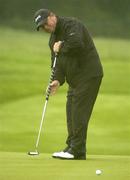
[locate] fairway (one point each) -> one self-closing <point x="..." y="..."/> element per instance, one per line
<point x="24" y="75"/>
<point x="20" y="166"/>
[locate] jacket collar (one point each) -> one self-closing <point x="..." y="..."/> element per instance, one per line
<point x="58" y="25"/>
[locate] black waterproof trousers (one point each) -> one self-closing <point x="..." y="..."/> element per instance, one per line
<point x="79" y="106"/>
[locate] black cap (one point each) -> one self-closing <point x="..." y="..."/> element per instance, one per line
<point x="40" y="17"/>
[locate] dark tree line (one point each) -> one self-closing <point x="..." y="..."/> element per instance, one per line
<point x="103" y="17"/>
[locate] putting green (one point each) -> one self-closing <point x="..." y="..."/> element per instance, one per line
<point x="20" y="166"/>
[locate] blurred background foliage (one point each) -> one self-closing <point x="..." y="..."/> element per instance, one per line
<point x="109" y="18"/>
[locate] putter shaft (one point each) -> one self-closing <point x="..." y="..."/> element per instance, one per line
<point x="47" y="98"/>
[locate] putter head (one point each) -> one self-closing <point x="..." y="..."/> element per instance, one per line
<point x="33" y="153"/>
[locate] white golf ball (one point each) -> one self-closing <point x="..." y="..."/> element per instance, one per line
<point x="98" y="171"/>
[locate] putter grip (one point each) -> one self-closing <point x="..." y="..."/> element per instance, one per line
<point x="49" y="87"/>
<point x="51" y="77"/>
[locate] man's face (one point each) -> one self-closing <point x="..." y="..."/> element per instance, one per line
<point x="50" y="24"/>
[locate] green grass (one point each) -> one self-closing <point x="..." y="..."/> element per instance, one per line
<point x="24" y="75"/>
<point x="108" y="133"/>
<point x="20" y="166"/>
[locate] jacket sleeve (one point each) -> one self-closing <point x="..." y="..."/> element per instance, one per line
<point x="73" y="40"/>
<point x="58" y="75"/>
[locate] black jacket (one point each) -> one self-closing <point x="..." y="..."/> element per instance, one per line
<point x="78" y="59"/>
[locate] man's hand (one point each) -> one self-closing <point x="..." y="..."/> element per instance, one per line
<point x="57" y="46"/>
<point x="54" y="86"/>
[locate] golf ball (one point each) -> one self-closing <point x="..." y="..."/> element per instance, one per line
<point x="98" y="171"/>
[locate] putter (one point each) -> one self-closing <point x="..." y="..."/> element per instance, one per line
<point x="33" y="153"/>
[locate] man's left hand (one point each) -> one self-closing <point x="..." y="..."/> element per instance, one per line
<point x="57" y="46"/>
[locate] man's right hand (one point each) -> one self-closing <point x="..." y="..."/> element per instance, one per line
<point x="54" y="86"/>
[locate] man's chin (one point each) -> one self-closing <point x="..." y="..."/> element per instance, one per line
<point x="48" y="30"/>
